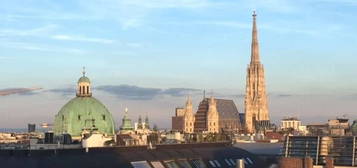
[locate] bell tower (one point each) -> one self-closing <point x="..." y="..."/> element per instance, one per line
<point x="256" y="101"/>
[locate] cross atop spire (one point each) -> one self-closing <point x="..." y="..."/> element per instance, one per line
<point x="84" y="71"/>
<point x="255" y="45"/>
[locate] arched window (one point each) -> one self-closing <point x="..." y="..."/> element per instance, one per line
<point x="79" y="117"/>
<point x="103" y="117"/>
<point x="80" y="90"/>
<point x="87" y="89"/>
<point x="83" y="91"/>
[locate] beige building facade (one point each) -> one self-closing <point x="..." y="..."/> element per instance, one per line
<point x="213" y="116"/>
<point x="184" y="119"/>
<point x="291" y="123"/>
<point x="256" y="103"/>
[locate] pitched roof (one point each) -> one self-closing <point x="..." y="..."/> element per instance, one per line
<point x="227" y="108"/>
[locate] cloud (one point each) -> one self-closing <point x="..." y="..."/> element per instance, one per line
<point x="130" y="92"/>
<point x="179" y="91"/>
<point x="63" y="91"/>
<point x="141" y="93"/>
<point x="167" y="3"/>
<point x="41" y="47"/>
<point x="345" y="2"/>
<point x="5" y="58"/>
<point x="39" y="31"/>
<point x="22" y="91"/>
<point x="135" y="13"/>
<point x="81" y="39"/>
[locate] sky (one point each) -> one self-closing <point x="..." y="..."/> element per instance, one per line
<point x="148" y="55"/>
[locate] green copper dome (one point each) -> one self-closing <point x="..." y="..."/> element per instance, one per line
<point x="83" y="113"/>
<point x="83" y="79"/>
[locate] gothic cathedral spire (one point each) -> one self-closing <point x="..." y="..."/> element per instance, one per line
<point x="255" y="44"/>
<point x="256" y="106"/>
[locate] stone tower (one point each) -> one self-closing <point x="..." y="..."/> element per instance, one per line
<point x="256" y="104"/>
<point x="189" y="118"/>
<point x="212" y="117"/>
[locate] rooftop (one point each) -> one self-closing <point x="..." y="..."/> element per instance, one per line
<point x="209" y="154"/>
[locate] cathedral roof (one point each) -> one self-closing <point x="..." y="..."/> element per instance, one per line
<point x="226" y="108"/>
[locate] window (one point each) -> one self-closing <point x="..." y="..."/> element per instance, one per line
<point x="217" y="163"/>
<point x="157" y="164"/>
<point x="103" y="117"/>
<point x="212" y="163"/>
<point x="87" y="89"/>
<point x="62" y="117"/>
<point x="232" y="161"/>
<point x="197" y="163"/>
<point x="228" y="163"/>
<point x="140" y="164"/>
<point x="79" y="117"/>
<point x="171" y="164"/>
<point x="249" y="160"/>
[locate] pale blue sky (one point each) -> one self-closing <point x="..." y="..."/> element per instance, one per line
<point x="308" y="47"/>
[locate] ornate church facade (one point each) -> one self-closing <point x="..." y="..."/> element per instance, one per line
<point x="212" y="116"/>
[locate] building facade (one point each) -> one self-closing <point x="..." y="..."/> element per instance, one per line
<point x="212" y="111"/>
<point x="184" y="118"/>
<point x="290" y="123"/>
<point x="256" y="103"/>
<point x="341" y="149"/>
<point x="338" y="126"/>
<point x="212" y="116"/>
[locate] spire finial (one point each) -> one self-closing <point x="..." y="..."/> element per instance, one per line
<point x="84" y="71"/>
<point x="255" y="45"/>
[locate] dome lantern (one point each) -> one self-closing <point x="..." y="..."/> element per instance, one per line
<point x="83" y="86"/>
